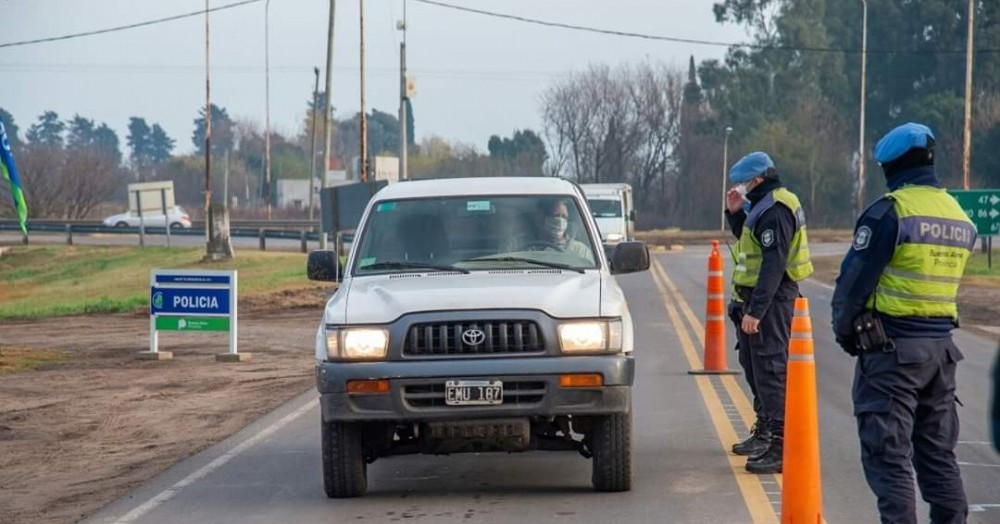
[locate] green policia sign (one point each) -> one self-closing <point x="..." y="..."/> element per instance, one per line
<point x="169" y="323"/>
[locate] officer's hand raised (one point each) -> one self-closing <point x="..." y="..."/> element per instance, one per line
<point x="734" y="200"/>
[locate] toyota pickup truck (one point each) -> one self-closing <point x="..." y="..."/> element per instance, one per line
<point x="476" y="315"/>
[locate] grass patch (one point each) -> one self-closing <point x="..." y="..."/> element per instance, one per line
<point x="14" y="360"/>
<point x="37" y="281"/>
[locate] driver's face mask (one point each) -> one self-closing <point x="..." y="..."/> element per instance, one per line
<point x="556" y="225"/>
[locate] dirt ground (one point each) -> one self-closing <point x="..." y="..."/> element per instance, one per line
<point x="82" y="432"/>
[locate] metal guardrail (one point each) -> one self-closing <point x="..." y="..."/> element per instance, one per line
<point x="242" y="230"/>
<point x="200" y="224"/>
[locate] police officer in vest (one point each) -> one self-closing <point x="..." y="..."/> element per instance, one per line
<point x="894" y="309"/>
<point x="771" y="257"/>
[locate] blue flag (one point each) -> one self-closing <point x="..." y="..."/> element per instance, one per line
<point x="9" y="171"/>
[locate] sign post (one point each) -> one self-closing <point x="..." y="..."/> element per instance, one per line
<point x="192" y="300"/>
<point x="983" y="208"/>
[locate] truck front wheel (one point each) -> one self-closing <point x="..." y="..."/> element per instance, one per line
<point x="611" y="440"/>
<point x="345" y="473"/>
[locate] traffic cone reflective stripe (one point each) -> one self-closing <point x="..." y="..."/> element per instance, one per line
<point x="801" y="491"/>
<point x="715" y="318"/>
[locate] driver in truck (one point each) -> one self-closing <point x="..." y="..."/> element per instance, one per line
<point x="553" y="228"/>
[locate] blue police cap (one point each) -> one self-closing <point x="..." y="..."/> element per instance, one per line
<point x="900" y="140"/>
<point x="750" y="167"/>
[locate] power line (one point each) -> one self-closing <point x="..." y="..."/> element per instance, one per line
<point x="695" y="41"/>
<point x="124" y="27"/>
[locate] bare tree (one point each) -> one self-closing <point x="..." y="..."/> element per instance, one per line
<point x="88" y="179"/>
<point x="620" y="125"/>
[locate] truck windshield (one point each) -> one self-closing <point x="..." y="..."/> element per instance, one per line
<point x="475" y="233"/>
<point x="605" y="207"/>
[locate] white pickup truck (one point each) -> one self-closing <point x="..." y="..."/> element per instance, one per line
<point x="476" y="315"/>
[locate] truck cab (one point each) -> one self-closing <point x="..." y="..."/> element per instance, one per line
<point x="476" y="315"/>
<point x="612" y="207"/>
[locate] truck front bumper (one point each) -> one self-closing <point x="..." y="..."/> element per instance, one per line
<point x="531" y="388"/>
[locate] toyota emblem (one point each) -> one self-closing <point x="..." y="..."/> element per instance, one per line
<point x="473" y="336"/>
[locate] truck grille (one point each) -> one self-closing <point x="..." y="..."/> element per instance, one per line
<point x="514" y="394"/>
<point x="500" y="337"/>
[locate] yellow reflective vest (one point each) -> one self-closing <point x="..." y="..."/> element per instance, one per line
<point x="934" y="243"/>
<point x="749" y="253"/>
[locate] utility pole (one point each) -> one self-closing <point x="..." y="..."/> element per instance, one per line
<point x="208" y="138"/>
<point x="403" y="117"/>
<point x="967" y="134"/>
<point x="267" y="109"/>
<point x="861" y="124"/>
<point x="312" y="151"/>
<point x="327" y="131"/>
<point x="364" y="117"/>
<point x="725" y="170"/>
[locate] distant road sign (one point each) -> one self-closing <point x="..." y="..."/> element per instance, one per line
<point x="983" y="208"/>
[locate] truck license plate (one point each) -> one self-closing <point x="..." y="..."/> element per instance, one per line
<point x="473" y="392"/>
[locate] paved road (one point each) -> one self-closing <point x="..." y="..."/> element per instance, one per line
<point x="270" y="472"/>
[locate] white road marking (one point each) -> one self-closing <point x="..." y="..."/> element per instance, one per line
<point x="820" y="284"/>
<point x="979" y="508"/>
<point x="203" y="471"/>
<point x="979" y="464"/>
<point x="977" y="442"/>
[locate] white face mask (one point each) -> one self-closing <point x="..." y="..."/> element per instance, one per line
<point x="742" y="189"/>
<point x="556" y="226"/>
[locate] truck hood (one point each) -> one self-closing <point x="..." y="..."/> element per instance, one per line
<point x="384" y="298"/>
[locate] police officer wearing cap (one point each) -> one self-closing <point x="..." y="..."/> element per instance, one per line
<point x="771" y="257"/>
<point x="894" y="308"/>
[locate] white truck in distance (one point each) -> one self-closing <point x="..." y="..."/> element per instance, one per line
<point x="476" y="315"/>
<point x="612" y="207"/>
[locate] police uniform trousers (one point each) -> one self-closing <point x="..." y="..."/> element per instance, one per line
<point x="904" y="401"/>
<point x="764" y="358"/>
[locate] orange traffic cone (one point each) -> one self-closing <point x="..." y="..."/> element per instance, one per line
<point x="801" y="492"/>
<point x="715" y="319"/>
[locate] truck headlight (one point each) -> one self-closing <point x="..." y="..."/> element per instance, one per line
<point x="356" y="343"/>
<point x="591" y="337"/>
<point x="614" y="237"/>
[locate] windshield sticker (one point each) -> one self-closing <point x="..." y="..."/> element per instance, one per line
<point x="477" y="205"/>
<point x="365" y="262"/>
<point x="386" y="206"/>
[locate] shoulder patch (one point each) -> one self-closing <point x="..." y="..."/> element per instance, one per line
<point x="800" y="216"/>
<point x="767" y="238"/>
<point x="862" y="238"/>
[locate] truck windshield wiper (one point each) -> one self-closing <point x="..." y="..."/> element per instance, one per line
<point x="554" y="265"/>
<point x="404" y="264"/>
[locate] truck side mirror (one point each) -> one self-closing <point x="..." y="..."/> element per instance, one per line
<point x="631" y="216"/>
<point x="629" y="257"/>
<point x="323" y="265"/>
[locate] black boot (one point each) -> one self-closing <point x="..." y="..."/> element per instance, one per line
<point x="754" y="444"/>
<point x="770" y="460"/>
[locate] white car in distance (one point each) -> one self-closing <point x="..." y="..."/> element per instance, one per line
<point x="177" y="218"/>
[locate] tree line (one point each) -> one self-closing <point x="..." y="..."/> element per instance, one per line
<point x="795" y="94"/>
<point x="71" y="167"/>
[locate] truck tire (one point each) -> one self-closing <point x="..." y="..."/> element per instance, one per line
<point x="611" y="438"/>
<point x="345" y="473"/>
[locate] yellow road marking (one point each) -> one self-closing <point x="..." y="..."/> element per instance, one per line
<point x="761" y="511"/>
<point x="736" y="393"/>
<point x="733" y="389"/>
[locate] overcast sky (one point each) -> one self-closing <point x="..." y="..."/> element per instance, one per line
<point x="475" y="75"/>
